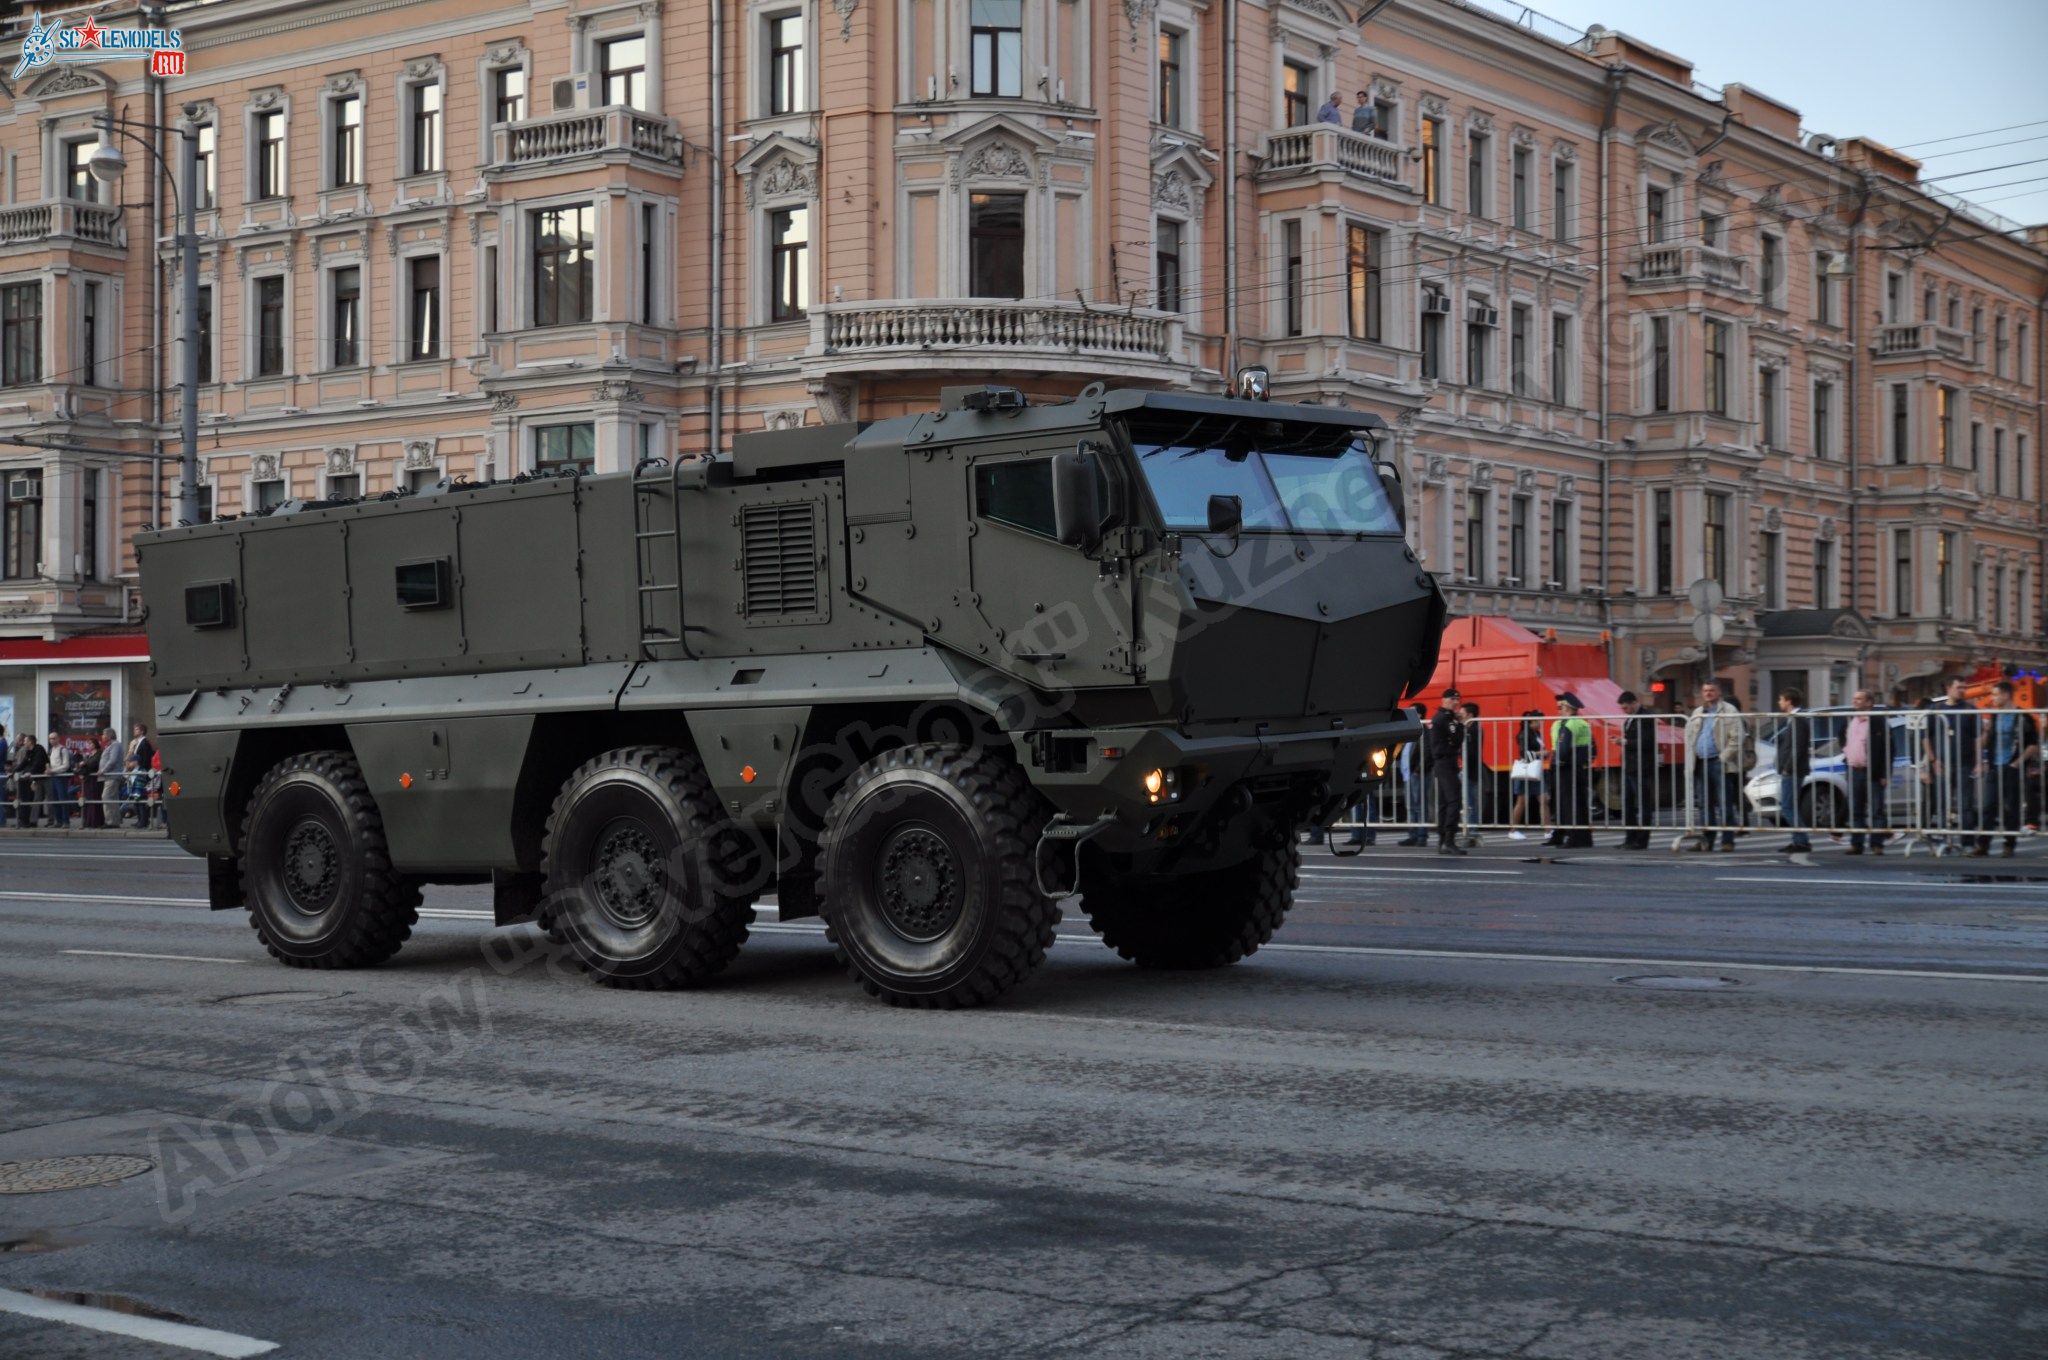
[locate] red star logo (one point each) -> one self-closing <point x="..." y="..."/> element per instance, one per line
<point x="89" y="33"/>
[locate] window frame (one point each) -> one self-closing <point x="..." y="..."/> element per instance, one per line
<point x="578" y="258"/>
<point x="21" y="526"/>
<point x="269" y="166"/>
<point x="346" y="144"/>
<point x="989" y="43"/>
<point x="1521" y="186"/>
<point x="206" y="154"/>
<point x="426" y="126"/>
<point x="1170" y="75"/>
<point x="22" y="332"/>
<point x="1719" y="355"/>
<point x="537" y="435"/>
<point x="415" y="324"/>
<point x="1364" y="287"/>
<point x="636" y="79"/>
<point x="499" y="97"/>
<point x="259" y="310"/>
<point x="1169" y="293"/>
<point x="344" y="314"/>
<point x="789" y="263"/>
<point x="1479" y="173"/>
<point x="785" y="67"/>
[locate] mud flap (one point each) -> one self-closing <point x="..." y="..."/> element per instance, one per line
<point x="224" y="883"/>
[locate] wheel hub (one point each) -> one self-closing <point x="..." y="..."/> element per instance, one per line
<point x="921" y="883"/>
<point x="312" y="866"/>
<point x="628" y="875"/>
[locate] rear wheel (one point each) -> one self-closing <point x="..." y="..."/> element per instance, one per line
<point x="1823" y="808"/>
<point x="1204" y="920"/>
<point x="316" y="872"/>
<point x="647" y="884"/>
<point x="925" y="880"/>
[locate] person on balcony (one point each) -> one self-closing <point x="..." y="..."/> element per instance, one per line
<point x="1332" y="110"/>
<point x="1366" y="117"/>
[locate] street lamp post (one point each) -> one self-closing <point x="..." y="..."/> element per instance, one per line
<point x="107" y="165"/>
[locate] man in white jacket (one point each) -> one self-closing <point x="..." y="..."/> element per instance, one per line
<point x="1715" y="742"/>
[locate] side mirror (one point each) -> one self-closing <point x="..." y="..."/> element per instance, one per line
<point x="1226" y="514"/>
<point x="1390" y="478"/>
<point x="1076" y="500"/>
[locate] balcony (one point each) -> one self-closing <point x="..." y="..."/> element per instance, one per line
<point x="1306" y="151"/>
<point x="974" y="333"/>
<point x="1686" y="264"/>
<point x="35" y="223"/>
<point x="1916" y="339"/>
<point x="615" y="133"/>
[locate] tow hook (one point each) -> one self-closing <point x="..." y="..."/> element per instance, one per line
<point x="1064" y="830"/>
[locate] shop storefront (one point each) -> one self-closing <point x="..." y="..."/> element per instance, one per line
<point x="75" y="687"/>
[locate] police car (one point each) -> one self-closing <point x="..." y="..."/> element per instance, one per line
<point x="1824" y="798"/>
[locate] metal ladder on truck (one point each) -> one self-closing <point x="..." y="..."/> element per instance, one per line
<point x="658" y="557"/>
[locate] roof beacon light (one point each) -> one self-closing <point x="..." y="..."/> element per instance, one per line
<point x="1254" y="383"/>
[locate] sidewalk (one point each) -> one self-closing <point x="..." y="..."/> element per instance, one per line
<point x="127" y="833"/>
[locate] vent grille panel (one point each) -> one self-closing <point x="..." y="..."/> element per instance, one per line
<point x="779" y="561"/>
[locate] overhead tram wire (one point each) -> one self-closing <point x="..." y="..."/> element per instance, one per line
<point x="1982" y="132"/>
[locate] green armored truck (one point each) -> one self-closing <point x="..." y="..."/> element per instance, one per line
<point x="922" y="678"/>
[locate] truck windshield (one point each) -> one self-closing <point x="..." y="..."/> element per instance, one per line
<point x="1288" y="477"/>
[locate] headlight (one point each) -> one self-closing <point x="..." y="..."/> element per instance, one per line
<point x="1162" y="786"/>
<point x="1379" y="760"/>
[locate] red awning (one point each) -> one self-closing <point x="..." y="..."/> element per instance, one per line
<point x="74" y="651"/>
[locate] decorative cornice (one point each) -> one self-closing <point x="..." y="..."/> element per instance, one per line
<point x="846" y="10"/>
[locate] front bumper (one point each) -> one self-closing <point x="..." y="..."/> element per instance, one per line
<point x="1306" y="770"/>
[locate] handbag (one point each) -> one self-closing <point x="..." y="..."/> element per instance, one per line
<point x="1528" y="768"/>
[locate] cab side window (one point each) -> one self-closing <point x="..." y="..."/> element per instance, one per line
<point x="1017" y="493"/>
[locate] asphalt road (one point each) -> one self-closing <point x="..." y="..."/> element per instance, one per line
<point x="1432" y="1121"/>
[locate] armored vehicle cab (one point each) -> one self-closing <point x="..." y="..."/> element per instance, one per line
<point x="922" y="678"/>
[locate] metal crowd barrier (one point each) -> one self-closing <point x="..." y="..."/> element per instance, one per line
<point x="1960" y="780"/>
<point x="58" y="800"/>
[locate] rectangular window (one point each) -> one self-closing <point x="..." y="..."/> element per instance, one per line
<point x="1955" y="312"/>
<point x="789" y="263"/>
<point x="347" y="317"/>
<point x="23" y="523"/>
<point x="269" y="327"/>
<point x="995" y="38"/>
<point x="1894" y="298"/>
<point x="206" y="148"/>
<point x="1434" y="304"/>
<point x="205" y="332"/>
<point x="1562" y="558"/>
<point x="1523" y="189"/>
<point x="90" y="316"/>
<point x="268" y="153"/>
<point x="1653" y="214"/>
<point x="1479" y="147"/>
<point x="1660" y="363"/>
<point x="1999" y="351"/>
<point x="204" y="510"/>
<point x="1998" y="462"/>
<point x="995" y="245"/>
<point x="1563" y="182"/>
<point x="424" y="338"/>
<point x="786" y="79"/>
<point x="345" y="151"/>
<point x="345" y="486"/>
<point x="1772" y="269"/>
<point x="1769" y="434"/>
<point x="1518" y="541"/>
<point x="419" y="479"/>
<point x="1710" y="230"/>
<point x="650" y="260"/>
<point x="1824" y="420"/>
<point x="2026" y="367"/>
<point x="1384" y="113"/>
<point x="1518" y="350"/>
<point x="490" y="290"/>
<point x="560" y="446"/>
<point x="1902" y="573"/>
<point x="270" y="494"/>
<point x="89" y="524"/>
<point x="1475" y="535"/>
<point x="1171" y="45"/>
<point x="1944" y="425"/>
<point x="1561" y="359"/>
<point x="1292" y="302"/>
<point x="21" y="334"/>
<point x="1166" y="289"/>
<point x="1823" y="573"/>
<point x="1998" y="599"/>
<point x="622" y="70"/>
<point x="79" y="184"/>
<point x="1823" y="287"/>
<point x="424" y="148"/>
<point x="1902" y="430"/>
<point x="508" y="94"/>
<point x="1717" y="367"/>
<point x="1771" y="555"/>
<point x="1432" y="159"/>
<point x="1714" y="540"/>
<point x="1478" y="344"/>
<point x="1944" y="573"/>
<point x="1977" y="446"/>
<point x="1362" y="281"/>
<point x="1664" y="549"/>
<point x="564" y="253"/>
<point x="1928" y="299"/>
<point x="1294" y="91"/>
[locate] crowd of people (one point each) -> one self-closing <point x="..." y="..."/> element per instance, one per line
<point x="102" y="781"/>
<point x="1978" y="769"/>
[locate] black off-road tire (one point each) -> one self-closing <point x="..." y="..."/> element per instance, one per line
<point x="316" y="873"/>
<point x="1205" y="920"/>
<point x="925" y="882"/>
<point x="647" y="883"/>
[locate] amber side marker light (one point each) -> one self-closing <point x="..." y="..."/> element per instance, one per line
<point x="405" y="781"/>
<point x="747" y="775"/>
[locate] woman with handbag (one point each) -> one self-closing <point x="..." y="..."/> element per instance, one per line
<point x="1525" y="777"/>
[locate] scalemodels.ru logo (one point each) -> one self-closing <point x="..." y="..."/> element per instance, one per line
<point x="164" y="48"/>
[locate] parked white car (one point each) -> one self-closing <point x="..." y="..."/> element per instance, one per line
<point x="1824" y="798"/>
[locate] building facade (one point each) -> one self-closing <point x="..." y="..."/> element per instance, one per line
<point x="1630" y="331"/>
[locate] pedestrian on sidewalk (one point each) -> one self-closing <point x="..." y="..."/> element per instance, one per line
<point x="1525" y="778"/>
<point x="1446" y="749"/>
<point x="1714" y="742"/>
<point x="1794" y="758"/>
<point x="1867" y="758"/>
<point x="1474" y="779"/>
<point x="2010" y="739"/>
<point x="1571" y="754"/>
<point x="1956" y="733"/>
<point x="1638" y="773"/>
<point x="109" y="776"/>
<point x="31" y="763"/>
<point x="62" y="786"/>
<point x="1414" y="773"/>
<point x="6" y="777"/>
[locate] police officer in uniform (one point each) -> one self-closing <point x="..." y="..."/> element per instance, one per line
<point x="1446" y="751"/>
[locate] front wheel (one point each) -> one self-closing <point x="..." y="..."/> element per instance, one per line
<point x="925" y="881"/>
<point x="1202" y="920"/>
<point x="316" y="872"/>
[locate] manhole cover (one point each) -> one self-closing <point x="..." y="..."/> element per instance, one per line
<point x="274" y="998"/>
<point x="46" y="1174"/>
<point x="1678" y="982"/>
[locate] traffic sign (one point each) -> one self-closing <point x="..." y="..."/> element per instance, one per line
<point x="1708" y="629"/>
<point x="1706" y="594"/>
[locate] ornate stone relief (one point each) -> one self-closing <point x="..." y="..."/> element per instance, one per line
<point x="1174" y="190"/>
<point x="264" y="467"/>
<point x="419" y="455"/>
<point x="615" y="390"/>
<point x="1139" y="15"/>
<point x="341" y="460"/>
<point x="996" y="160"/>
<point x="505" y="401"/>
<point x="784" y="177"/>
<point x="846" y="9"/>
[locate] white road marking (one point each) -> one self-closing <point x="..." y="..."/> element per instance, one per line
<point x="89" y="897"/>
<point x="1805" y="880"/>
<point x="1375" y="871"/>
<point x="182" y="1335"/>
<point x="124" y="954"/>
<point x="151" y="855"/>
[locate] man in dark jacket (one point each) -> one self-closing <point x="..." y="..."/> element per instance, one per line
<point x="1638" y="772"/>
<point x="1953" y="735"/>
<point x="31" y="762"/>
<point x="1794" y="757"/>
<point x="1867" y="760"/>
<point x="1446" y="746"/>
